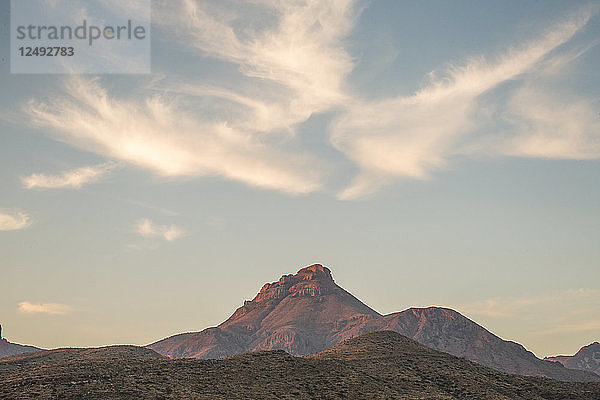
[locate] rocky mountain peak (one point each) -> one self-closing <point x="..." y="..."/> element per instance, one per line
<point x="313" y="284"/>
<point x="314" y="280"/>
<point x="315" y="271"/>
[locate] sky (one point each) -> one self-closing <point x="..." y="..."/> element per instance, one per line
<point x="429" y="153"/>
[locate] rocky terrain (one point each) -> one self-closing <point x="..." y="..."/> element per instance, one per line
<point x="379" y="365"/>
<point x="307" y="312"/>
<point x="10" y="349"/>
<point x="586" y="359"/>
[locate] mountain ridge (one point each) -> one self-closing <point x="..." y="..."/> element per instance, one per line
<point x="587" y="358"/>
<point x="307" y="312"/>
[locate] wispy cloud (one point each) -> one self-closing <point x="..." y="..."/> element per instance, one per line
<point x="578" y="327"/>
<point x="151" y="207"/>
<point x="287" y="61"/>
<point x="290" y="67"/>
<point x="155" y="134"/>
<point x="14" y="221"/>
<point x="410" y="136"/>
<point x="291" y="55"/>
<point x="147" y="228"/>
<point x="26" y="307"/>
<point x="551" y="128"/>
<point x="547" y="322"/>
<point x="580" y="302"/>
<point x="74" y="178"/>
<point x="502" y="308"/>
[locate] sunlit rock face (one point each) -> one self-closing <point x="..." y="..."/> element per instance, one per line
<point x="314" y="280"/>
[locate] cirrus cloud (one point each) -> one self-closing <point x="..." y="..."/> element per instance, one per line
<point x="286" y="61"/>
<point x="290" y="66"/>
<point x="27" y="307"/>
<point x="147" y="228"/>
<point x="74" y="178"/>
<point x="411" y="136"/>
<point x="157" y="135"/>
<point x="15" y="221"/>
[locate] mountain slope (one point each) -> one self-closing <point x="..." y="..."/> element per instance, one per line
<point x="8" y="349"/>
<point x="307" y="312"/>
<point x="377" y="365"/>
<point x="586" y="359"/>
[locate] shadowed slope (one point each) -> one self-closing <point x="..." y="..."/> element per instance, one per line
<point x="8" y="349"/>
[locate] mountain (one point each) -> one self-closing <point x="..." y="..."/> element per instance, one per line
<point x="307" y="312"/>
<point x="300" y="314"/>
<point x="449" y="331"/>
<point x="381" y="365"/>
<point x="10" y="349"/>
<point x="586" y="359"/>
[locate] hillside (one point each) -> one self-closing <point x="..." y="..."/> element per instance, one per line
<point x="377" y="365"/>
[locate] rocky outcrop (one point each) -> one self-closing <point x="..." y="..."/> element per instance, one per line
<point x="312" y="281"/>
<point x="586" y="359"/>
<point x="308" y="312"/>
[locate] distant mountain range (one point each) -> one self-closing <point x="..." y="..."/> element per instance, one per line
<point x="10" y="349"/>
<point x="586" y="359"/>
<point x="308" y="312"/>
<point x="380" y="365"/>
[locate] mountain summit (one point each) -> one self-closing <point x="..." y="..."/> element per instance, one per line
<point x="312" y="281"/>
<point x="308" y="312"/>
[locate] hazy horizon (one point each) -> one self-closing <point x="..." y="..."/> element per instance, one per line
<point x="428" y="153"/>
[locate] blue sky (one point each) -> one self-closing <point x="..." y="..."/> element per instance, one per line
<point x="429" y="153"/>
